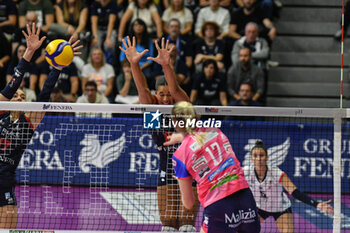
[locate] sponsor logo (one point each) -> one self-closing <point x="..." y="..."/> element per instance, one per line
<point x="138" y="109"/>
<point x="93" y="153"/>
<point x="151" y="120"/>
<point x="211" y="110"/>
<point x="56" y="107"/>
<point x="199" y="163"/>
<point x="241" y="217"/>
<point x="229" y="162"/>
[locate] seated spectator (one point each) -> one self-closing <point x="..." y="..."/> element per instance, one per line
<point x="71" y="16"/>
<point x="181" y="71"/>
<point x="245" y="94"/>
<point x="251" y="13"/>
<point x="184" y="48"/>
<point x="245" y="71"/>
<point x="92" y="96"/>
<point x="18" y="38"/>
<point x="30" y="78"/>
<point x="147" y="12"/>
<point x="209" y="86"/>
<point x="209" y="47"/>
<point x="57" y="96"/>
<point x="68" y="81"/>
<point x="258" y="47"/>
<point x="5" y="56"/>
<point x="100" y="72"/>
<point x="223" y="3"/>
<point x="143" y="41"/>
<point x="8" y="16"/>
<point x="213" y="13"/>
<point x="103" y="20"/>
<point x="178" y="11"/>
<point x="42" y="8"/>
<point x="126" y="85"/>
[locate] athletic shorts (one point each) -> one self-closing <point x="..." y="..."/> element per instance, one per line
<point x="235" y="213"/>
<point x="7" y="196"/>
<point x="275" y="215"/>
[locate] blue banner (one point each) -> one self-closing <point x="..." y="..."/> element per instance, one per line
<point x="102" y="152"/>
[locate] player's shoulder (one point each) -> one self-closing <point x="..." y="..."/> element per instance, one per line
<point x="274" y="170"/>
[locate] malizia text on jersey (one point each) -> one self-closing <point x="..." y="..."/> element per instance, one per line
<point x="193" y="123"/>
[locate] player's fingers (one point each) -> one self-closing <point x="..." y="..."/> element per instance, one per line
<point x="133" y="41"/>
<point x="151" y="58"/>
<point x="163" y="43"/>
<point x="144" y="51"/>
<point x="156" y="44"/>
<point x="78" y="48"/>
<point x="124" y="43"/>
<point x="172" y="47"/>
<point x="167" y="44"/>
<point x="129" y="42"/>
<point x="38" y="31"/>
<point x="42" y="39"/>
<point x="28" y="30"/>
<point x="75" y="43"/>
<point x="77" y="53"/>
<point x="24" y="34"/>
<point x="33" y="28"/>
<point x="120" y="47"/>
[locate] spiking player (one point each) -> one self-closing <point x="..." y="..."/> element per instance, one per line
<point x="17" y="128"/>
<point x="268" y="183"/>
<point x="206" y="155"/>
<point x="172" y="214"/>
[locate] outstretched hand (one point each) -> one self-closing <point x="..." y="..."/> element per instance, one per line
<point x="75" y="46"/>
<point x="173" y="139"/>
<point x="164" y="52"/>
<point x="130" y="50"/>
<point x="33" y="41"/>
<point x="325" y="207"/>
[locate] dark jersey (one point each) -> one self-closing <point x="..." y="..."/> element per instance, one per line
<point x="14" y="138"/>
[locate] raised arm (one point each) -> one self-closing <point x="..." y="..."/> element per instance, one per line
<point x="163" y="59"/>
<point x="44" y="96"/>
<point x="134" y="57"/>
<point x="33" y="43"/>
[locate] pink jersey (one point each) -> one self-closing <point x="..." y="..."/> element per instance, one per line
<point x="213" y="165"/>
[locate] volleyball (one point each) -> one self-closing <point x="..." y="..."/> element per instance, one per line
<point x="59" y="53"/>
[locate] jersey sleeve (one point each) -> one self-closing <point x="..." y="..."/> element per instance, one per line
<point x="180" y="169"/>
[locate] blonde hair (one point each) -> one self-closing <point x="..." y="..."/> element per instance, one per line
<point x="184" y="111"/>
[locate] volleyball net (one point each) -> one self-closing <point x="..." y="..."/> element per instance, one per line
<point x="96" y="167"/>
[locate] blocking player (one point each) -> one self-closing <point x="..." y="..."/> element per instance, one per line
<point x="172" y="213"/>
<point x="17" y="127"/>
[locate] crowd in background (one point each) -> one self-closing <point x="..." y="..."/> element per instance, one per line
<point x="221" y="54"/>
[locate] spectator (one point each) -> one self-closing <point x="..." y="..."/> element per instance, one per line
<point x="145" y="10"/>
<point x="18" y="38"/>
<point x="92" y="96"/>
<point x="57" y="96"/>
<point x="245" y="71"/>
<point x="103" y="20"/>
<point x="181" y="71"/>
<point x="30" y="94"/>
<point x="245" y="94"/>
<point x="213" y="13"/>
<point x="223" y="3"/>
<point x="71" y="16"/>
<point x="68" y="81"/>
<point x="258" y="47"/>
<point x="139" y="30"/>
<point x="30" y="78"/>
<point x="100" y="72"/>
<point x="126" y="85"/>
<point x="178" y="11"/>
<point x="42" y="8"/>
<point x="251" y="13"/>
<point x="338" y="34"/>
<point x="209" y="86"/>
<point x="8" y="16"/>
<point x="209" y="47"/>
<point x="5" y="56"/>
<point x="183" y="47"/>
